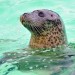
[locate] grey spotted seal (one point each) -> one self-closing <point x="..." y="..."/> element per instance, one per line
<point x="46" y="27"/>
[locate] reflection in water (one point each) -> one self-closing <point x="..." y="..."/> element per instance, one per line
<point x="39" y="62"/>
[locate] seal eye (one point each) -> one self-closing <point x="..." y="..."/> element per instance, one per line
<point x="41" y="14"/>
<point x="51" y="15"/>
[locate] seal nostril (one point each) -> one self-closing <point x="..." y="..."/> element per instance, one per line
<point x="25" y="14"/>
<point x="41" y="14"/>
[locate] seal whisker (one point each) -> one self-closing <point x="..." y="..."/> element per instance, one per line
<point x="32" y="28"/>
<point x="37" y="30"/>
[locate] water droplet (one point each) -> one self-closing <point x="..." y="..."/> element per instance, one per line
<point x="26" y="61"/>
<point x="51" y="60"/>
<point x="45" y="66"/>
<point x="33" y="52"/>
<point x="37" y="65"/>
<point x="44" y="60"/>
<point x="30" y="67"/>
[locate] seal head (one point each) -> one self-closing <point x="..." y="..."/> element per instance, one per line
<point x="46" y="27"/>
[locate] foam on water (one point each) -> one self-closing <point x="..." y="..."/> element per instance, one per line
<point x="30" y="63"/>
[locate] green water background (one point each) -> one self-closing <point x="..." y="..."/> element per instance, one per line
<point x="14" y="36"/>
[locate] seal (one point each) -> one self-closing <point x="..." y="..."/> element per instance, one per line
<point x="46" y="27"/>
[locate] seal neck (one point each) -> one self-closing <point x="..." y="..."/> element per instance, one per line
<point x="38" y="42"/>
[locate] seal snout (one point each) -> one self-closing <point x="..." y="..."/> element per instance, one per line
<point x="22" y="17"/>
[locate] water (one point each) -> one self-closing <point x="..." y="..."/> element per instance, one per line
<point x="14" y="38"/>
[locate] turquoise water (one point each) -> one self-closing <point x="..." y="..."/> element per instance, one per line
<point x="14" y="37"/>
